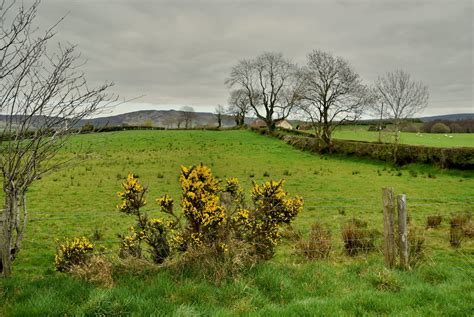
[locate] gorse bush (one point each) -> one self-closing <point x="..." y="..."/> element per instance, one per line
<point x="132" y="197"/>
<point x="272" y="209"/>
<point x="70" y="252"/>
<point x="201" y="205"/>
<point x="215" y="219"/>
<point x="153" y="232"/>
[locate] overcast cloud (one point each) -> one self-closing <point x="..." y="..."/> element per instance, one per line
<point x="180" y="52"/>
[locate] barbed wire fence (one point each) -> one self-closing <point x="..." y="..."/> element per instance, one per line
<point x="346" y="209"/>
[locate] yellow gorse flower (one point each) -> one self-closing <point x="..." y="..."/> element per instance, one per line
<point x="200" y="203"/>
<point x="71" y="252"/>
<point x="132" y="196"/>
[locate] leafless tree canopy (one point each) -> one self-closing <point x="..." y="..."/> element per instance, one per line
<point x="43" y="95"/>
<point x="272" y="84"/>
<point x="187" y="116"/>
<point x="402" y="96"/>
<point x="399" y="98"/>
<point x="239" y="106"/>
<point x="333" y="93"/>
<point x="219" y="112"/>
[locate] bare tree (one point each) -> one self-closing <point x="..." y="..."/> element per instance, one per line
<point x="271" y="83"/>
<point x="169" y="121"/>
<point x="333" y="94"/>
<point x="377" y="109"/>
<point x="187" y="116"/>
<point x="239" y="106"/>
<point x="219" y="112"/>
<point x="402" y="98"/>
<point x="43" y="97"/>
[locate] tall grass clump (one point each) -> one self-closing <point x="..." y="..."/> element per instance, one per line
<point x="433" y="221"/>
<point x="458" y="223"/>
<point x="357" y="237"/>
<point x="318" y="245"/>
<point x="416" y="246"/>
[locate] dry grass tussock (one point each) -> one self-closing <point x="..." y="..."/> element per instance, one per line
<point x="212" y="263"/>
<point x="318" y="245"/>
<point x="97" y="270"/>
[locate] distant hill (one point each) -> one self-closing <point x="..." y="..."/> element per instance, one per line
<point x="450" y="117"/>
<point x="155" y="118"/>
<point x="161" y="118"/>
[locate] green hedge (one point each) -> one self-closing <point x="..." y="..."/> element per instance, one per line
<point x="462" y="157"/>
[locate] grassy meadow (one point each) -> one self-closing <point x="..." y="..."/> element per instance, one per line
<point x="361" y="133"/>
<point x="81" y="198"/>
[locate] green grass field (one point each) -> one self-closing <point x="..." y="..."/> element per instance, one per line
<point x="81" y="198"/>
<point x="361" y="133"/>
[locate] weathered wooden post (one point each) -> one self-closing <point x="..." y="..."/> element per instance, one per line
<point x="388" y="226"/>
<point x="403" y="231"/>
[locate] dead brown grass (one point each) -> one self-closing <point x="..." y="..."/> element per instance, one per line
<point x="97" y="270"/>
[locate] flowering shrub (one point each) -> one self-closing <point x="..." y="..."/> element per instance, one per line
<point x="132" y="197"/>
<point x="130" y="245"/>
<point x="232" y="187"/>
<point x="208" y="221"/>
<point x="272" y="210"/>
<point x="154" y="232"/>
<point x="72" y="252"/>
<point x="201" y="204"/>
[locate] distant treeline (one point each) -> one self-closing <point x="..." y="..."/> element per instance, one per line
<point x="436" y="126"/>
<point x="88" y="128"/>
<point x="447" y="126"/>
<point x="413" y="125"/>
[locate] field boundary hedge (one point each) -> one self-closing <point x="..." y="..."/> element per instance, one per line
<point x="461" y="157"/>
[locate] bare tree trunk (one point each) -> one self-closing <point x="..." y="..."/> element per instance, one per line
<point x="7" y="223"/>
<point x="380" y="124"/>
<point x="5" y="260"/>
<point x="396" y="141"/>
<point x="326" y="137"/>
<point x="270" y="125"/>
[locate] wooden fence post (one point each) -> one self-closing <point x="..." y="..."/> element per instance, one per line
<point x="403" y="230"/>
<point x="388" y="226"/>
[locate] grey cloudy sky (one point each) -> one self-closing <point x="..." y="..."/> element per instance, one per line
<point x="180" y="52"/>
